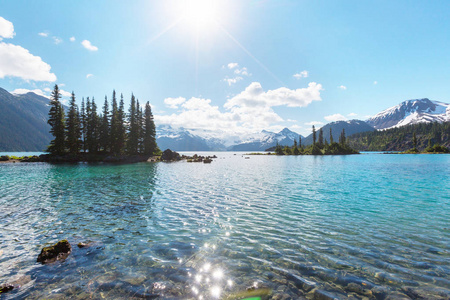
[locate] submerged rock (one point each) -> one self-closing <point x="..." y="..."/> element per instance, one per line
<point x="85" y="244"/>
<point x="6" y="287"/>
<point x="58" y="251"/>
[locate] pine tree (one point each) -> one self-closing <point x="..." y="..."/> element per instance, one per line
<point x="133" y="132"/>
<point x="83" y="124"/>
<point x="331" y="137"/>
<point x="314" y="134"/>
<point x="320" y="137"/>
<point x="295" y="150"/>
<point x="115" y="126"/>
<point x="73" y="128"/>
<point x="94" y="126"/>
<point x="56" y="122"/>
<point x="299" y="141"/>
<point x="105" y="138"/>
<point x="342" y="138"/>
<point x="140" y="127"/>
<point x="149" y="131"/>
<point x="122" y="132"/>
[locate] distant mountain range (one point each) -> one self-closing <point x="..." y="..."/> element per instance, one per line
<point x="182" y="139"/>
<point x="23" y="127"/>
<point x="411" y="112"/>
<point x="23" y="122"/>
<point x="350" y="127"/>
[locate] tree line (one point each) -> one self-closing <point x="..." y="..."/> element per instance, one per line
<point x="320" y="146"/>
<point x="416" y="136"/>
<point x="112" y="132"/>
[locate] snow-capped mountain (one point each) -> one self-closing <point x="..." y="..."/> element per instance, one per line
<point x="181" y="139"/>
<point x="411" y="112"/>
<point x="264" y="140"/>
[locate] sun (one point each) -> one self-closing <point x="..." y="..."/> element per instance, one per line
<point x="200" y="14"/>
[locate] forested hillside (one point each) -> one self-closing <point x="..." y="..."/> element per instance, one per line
<point x="401" y="138"/>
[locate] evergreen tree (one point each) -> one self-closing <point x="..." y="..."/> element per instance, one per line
<point x="73" y="127"/>
<point x="321" y="138"/>
<point x="314" y="134"/>
<point x="115" y="126"/>
<point x="331" y="137"/>
<point x="140" y="129"/>
<point x="133" y="132"/>
<point x="105" y="138"/>
<point x="56" y="122"/>
<point x="278" y="149"/>
<point x="295" y="150"/>
<point x="299" y="141"/>
<point x="342" y="138"/>
<point x="92" y="121"/>
<point x="83" y="124"/>
<point x="149" y="131"/>
<point x="122" y="132"/>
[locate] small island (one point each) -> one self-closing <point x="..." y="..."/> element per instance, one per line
<point x="110" y="136"/>
<point x="320" y="146"/>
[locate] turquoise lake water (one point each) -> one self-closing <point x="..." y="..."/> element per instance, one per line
<point x="370" y="226"/>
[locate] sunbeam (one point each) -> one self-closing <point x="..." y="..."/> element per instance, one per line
<point x="248" y="53"/>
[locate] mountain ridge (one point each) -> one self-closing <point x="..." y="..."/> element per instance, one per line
<point x="411" y="112"/>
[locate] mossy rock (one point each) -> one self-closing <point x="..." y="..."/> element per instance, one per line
<point x="58" y="251"/>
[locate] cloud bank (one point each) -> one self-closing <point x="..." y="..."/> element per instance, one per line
<point x="249" y="111"/>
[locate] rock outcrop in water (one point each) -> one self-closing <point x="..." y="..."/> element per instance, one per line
<point x="58" y="251"/>
<point x="169" y="155"/>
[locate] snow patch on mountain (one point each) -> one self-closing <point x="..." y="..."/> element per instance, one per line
<point x="411" y="112"/>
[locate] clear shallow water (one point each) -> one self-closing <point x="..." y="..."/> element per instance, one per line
<point x="369" y="226"/>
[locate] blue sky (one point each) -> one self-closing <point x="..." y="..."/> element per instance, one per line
<point x="229" y="66"/>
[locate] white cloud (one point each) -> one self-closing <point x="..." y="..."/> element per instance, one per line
<point x="232" y="65"/>
<point x="44" y="34"/>
<point x="72" y="39"/>
<point x="255" y="96"/>
<point x="89" y="75"/>
<point x="352" y="115"/>
<point x="335" y="117"/>
<point x="342" y="87"/>
<point x="25" y="91"/>
<point x="242" y="71"/>
<point x="375" y="82"/>
<point x="16" y="61"/>
<point x="238" y="73"/>
<point x="315" y="123"/>
<point x="302" y="74"/>
<point x="86" y="44"/>
<point x="174" y="102"/>
<point x="65" y="93"/>
<point x="231" y="81"/>
<point x="6" y="29"/>
<point x="250" y="111"/>
<point x="57" y="40"/>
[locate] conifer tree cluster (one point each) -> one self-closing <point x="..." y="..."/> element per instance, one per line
<point x="319" y="146"/>
<point x="113" y="131"/>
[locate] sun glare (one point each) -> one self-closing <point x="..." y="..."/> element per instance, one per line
<point x="200" y="14"/>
